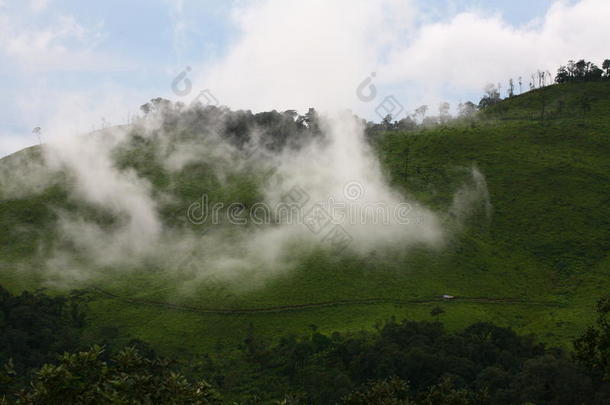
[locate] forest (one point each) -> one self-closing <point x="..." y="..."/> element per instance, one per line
<point x="46" y="360"/>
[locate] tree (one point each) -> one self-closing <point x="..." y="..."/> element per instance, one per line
<point x="406" y="124"/>
<point x="386" y="122"/>
<point x="291" y="113"/>
<point x="541" y="79"/>
<point x="546" y="377"/>
<point x="34" y="326"/>
<point x="421" y="111"/>
<point x="582" y="71"/>
<point x="606" y="68"/>
<point x="145" y="108"/>
<point x="128" y="378"/>
<point x="592" y="349"/>
<point x="593" y="73"/>
<point x="511" y="88"/>
<point x="311" y="120"/>
<point x="467" y="109"/>
<point x="520" y="85"/>
<point x="571" y="68"/>
<point x="563" y="76"/>
<point x="444" y="393"/>
<point x="491" y="97"/>
<point x="395" y="391"/>
<point x="156" y="105"/>
<point x="392" y="391"/>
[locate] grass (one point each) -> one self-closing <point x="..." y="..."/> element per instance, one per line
<point x="547" y="240"/>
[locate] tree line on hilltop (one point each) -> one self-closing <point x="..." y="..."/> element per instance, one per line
<point x="580" y="71"/>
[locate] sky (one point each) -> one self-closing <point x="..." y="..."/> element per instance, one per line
<point x="69" y="66"/>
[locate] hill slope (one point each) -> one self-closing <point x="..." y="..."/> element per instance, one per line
<point x="537" y="263"/>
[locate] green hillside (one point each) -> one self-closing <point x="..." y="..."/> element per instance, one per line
<point x="538" y="263"/>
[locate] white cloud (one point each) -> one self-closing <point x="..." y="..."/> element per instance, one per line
<point x="295" y="54"/>
<point x="472" y="49"/>
<point x="31" y="50"/>
<point x="63" y="45"/>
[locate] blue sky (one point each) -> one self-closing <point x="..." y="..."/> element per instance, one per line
<point x="65" y="64"/>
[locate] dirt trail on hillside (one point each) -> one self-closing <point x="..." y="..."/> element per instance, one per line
<point x="296" y="307"/>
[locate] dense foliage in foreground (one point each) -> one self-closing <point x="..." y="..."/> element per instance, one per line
<point x="483" y="364"/>
<point x="403" y="362"/>
<point x="35" y="326"/>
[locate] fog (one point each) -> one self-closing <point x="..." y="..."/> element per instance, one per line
<point x="336" y="178"/>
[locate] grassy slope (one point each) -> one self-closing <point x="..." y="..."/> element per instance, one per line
<point x="548" y="239"/>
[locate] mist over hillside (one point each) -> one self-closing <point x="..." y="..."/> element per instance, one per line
<point x="234" y="195"/>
